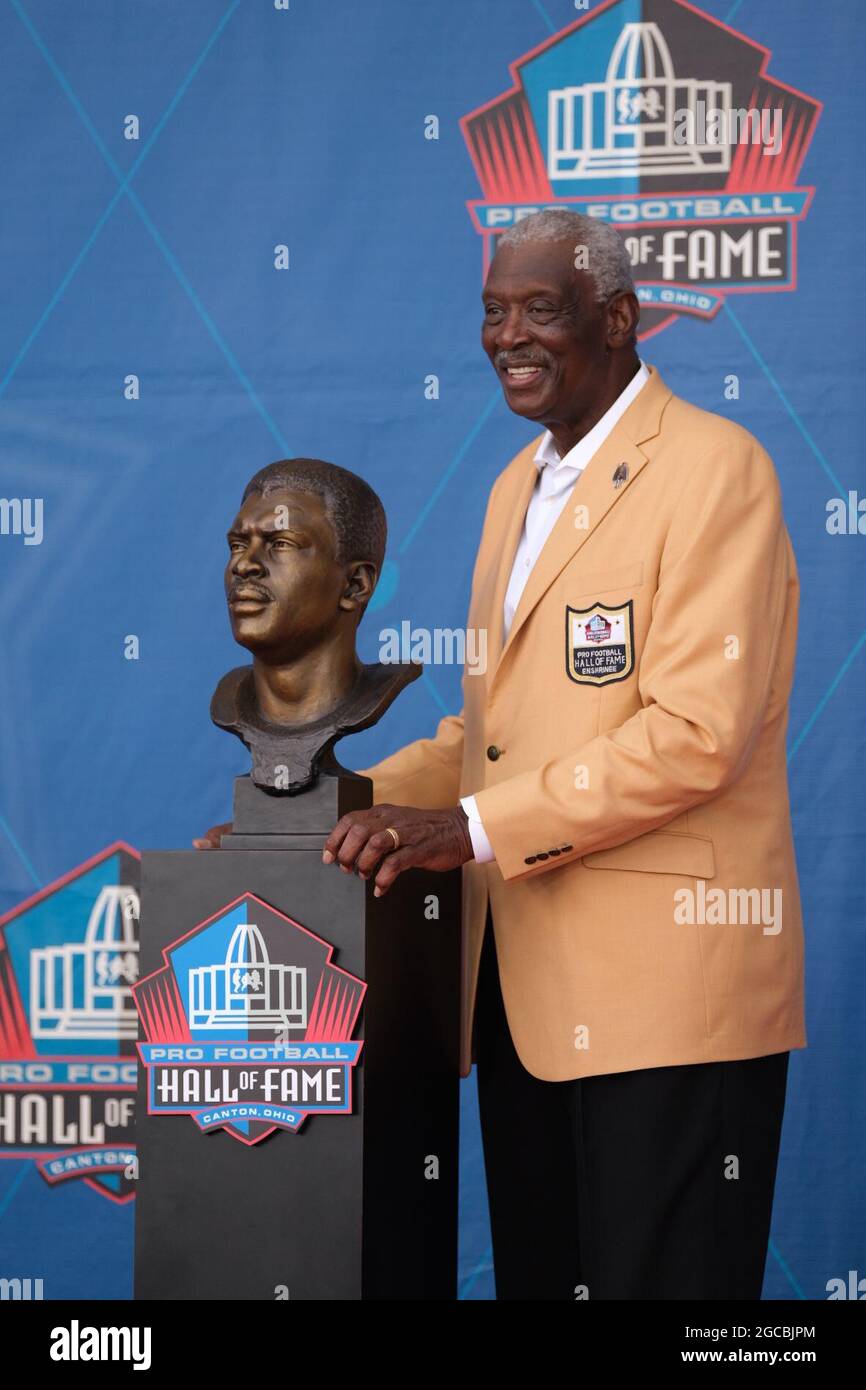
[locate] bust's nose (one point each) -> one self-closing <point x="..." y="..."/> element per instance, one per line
<point x="249" y="561"/>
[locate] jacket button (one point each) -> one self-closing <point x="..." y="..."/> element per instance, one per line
<point x="530" y="860"/>
<point x="493" y="752"/>
<point x="542" y="856"/>
<point x="555" y="852"/>
<point x="566" y="848"/>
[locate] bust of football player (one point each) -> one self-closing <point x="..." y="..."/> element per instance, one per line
<point x="305" y="553"/>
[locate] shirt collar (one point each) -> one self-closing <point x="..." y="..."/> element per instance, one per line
<point x="547" y="455"/>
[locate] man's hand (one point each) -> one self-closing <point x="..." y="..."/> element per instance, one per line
<point x="436" y="840"/>
<point x="211" y="838"/>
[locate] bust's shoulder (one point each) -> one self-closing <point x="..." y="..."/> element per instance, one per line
<point x="227" y="700"/>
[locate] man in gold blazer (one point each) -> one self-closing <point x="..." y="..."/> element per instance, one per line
<point x="616" y="789"/>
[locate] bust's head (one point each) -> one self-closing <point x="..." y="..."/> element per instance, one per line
<point x="305" y="552"/>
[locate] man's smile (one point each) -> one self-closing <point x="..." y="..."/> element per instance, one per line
<point x="519" y="373"/>
<point x="518" y="377"/>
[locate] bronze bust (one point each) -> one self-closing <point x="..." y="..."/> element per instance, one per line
<point x="305" y="553"/>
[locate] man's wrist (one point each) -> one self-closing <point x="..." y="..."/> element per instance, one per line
<point x="482" y="849"/>
<point x="463" y="834"/>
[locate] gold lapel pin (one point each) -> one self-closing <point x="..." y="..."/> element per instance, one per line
<point x="620" y="474"/>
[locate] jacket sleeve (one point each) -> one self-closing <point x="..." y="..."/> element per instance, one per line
<point x="425" y="773"/>
<point x="704" y="677"/>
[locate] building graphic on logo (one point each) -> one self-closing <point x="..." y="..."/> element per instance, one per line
<point x="245" y="990"/>
<point x="68" y="960"/>
<point x="83" y="990"/>
<point x="626" y="124"/>
<point x="249" y="1024"/>
<point x="657" y="118"/>
<point x="598" y="629"/>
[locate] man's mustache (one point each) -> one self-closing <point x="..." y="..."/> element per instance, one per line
<point x="245" y="587"/>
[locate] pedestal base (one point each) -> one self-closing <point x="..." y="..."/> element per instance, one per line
<point x="362" y="1205"/>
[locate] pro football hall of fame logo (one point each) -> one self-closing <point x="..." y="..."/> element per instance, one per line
<point x="68" y="961"/>
<point x="249" y="1025"/>
<point x="661" y="120"/>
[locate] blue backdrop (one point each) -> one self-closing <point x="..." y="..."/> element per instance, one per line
<point x="154" y="157"/>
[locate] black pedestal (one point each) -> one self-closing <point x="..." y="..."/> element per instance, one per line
<point x="359" y="1205"/>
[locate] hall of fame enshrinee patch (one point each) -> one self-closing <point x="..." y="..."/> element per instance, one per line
<point x="599" y="643"/>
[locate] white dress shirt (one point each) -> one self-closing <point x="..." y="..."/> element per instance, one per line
<point x="556" y="479"/>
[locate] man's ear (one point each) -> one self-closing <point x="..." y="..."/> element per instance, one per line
<point x="623" y="317"/>
<point x="361" y="577"/>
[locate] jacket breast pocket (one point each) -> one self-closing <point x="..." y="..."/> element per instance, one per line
<point x="599" y="625"/>
<point x="594" y="583"/>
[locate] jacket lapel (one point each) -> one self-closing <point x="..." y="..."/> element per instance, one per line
<point x="593" y="496"/>
<point x="516" y="491"/>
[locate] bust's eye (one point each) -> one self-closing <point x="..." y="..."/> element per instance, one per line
<point x="541" y="310"/>
<point x="492" y="312"/>
<point x="281" y="544"/>
<point x="235" y="546"/>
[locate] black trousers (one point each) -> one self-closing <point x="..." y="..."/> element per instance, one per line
<point x="621" y="1186"/>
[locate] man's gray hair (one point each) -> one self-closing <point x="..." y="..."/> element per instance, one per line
<point x="608" y="264"/>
